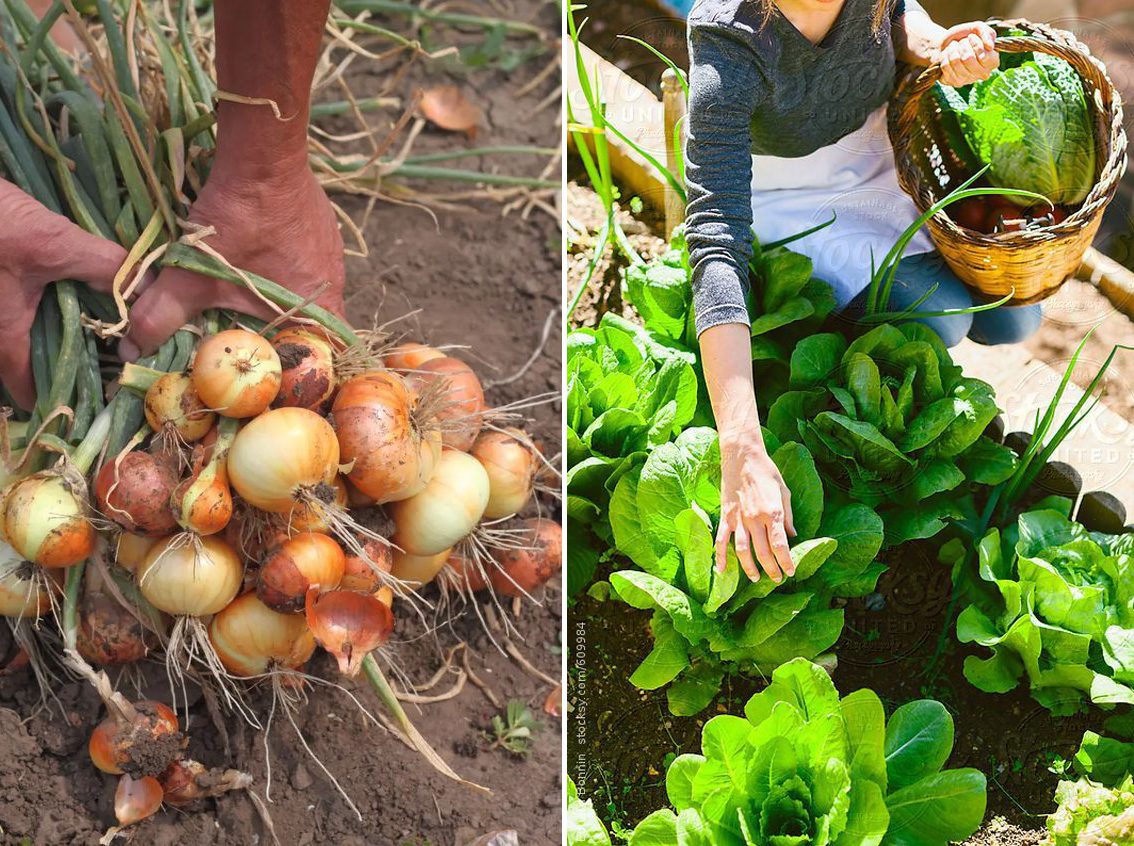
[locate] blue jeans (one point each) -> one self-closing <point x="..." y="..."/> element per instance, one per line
<point x="916" y="275"/>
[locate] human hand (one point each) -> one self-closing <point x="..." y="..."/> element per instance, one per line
<point x="281" y="227"/>
<point x="37" y="247"/>
<point x="755" y="509"/>
<point x="967" y="54"/>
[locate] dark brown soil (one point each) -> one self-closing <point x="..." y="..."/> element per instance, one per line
<point x="473" y="278"/>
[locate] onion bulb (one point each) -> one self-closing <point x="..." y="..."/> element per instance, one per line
<point x="294" y="566"/>
<point x="45" y="521"/>
<point x="308" y="372"/>
<point x="305" y="518"/>
<point x="359" y="575"/>
<point x="284" y="458"/>
<point x="131" y="550"/>
<point x="180" y="784"/>
<point x="203" y="502"/>
<point x="134" y="492"/>
<point x="348" y="625"/>
<point x="141" y="747"/>
<point x="447" y="510"/>
<point x="466" y="571"/>
<point x="236" y="373"/>
<point x="460" y="398"/>
<point x="172" y="405"/>
<point x="250" y="638"/>
<point x="191" y="577"/>
<point x="22" y="594"/>
<point x="391" y="449"/>
<point x="410" y="356"/>
<point x="512" y="464"/>
<point x="418" y="570"/>
<point x="108" y="633"/>
<point x="520" y="570"/>
<point x="136" y="799"/>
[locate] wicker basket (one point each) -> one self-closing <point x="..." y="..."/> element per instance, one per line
<point x="1032" y="264"/>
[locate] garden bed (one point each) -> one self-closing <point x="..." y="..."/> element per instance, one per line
<point x="891" y="636"/>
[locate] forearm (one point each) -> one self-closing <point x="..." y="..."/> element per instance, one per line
<point x="917" y="39"/>
<point x="727" y="363"/>
<point x="266" y="50"/>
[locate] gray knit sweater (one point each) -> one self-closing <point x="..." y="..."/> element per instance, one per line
<point x="765" y="89"/>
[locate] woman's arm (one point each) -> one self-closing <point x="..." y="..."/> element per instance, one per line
<point x="755" y="502"/>
<point x="966" y="52"/>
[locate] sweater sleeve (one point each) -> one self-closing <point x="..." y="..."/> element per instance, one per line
<point x="724" y="90"/>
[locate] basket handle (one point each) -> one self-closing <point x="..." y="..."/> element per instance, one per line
<point x="1072" y="53"/>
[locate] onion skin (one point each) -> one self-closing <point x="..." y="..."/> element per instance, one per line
<point x="250" y="638"/>
<point x="131" y="550"/>
<point x="469" y="576"/>
<point x="304" y="518"/>
<point x="172" y="404"/>
<point x="179" y="783"/>
<point x="134" y="492"/>
<point x="236" y="373"/>
<point x="447" y="510"/>
<point x="410" y="356"/>
<point x="521" y="571"/>
<point x="418" y="570"/>
<point x="511" y="464"/>
<point x="359" y="576"/>
<point x="46" y="522"/>
<point x="136" y="799"/>
<point x="348" y="625"/>
<point x="462" y="399"/>
<point x="143" y="747"/>
<point x="178" y="579"/>
<point x="282" y="454"/>
<point x="294" y="566"/>
<point x="21" y="596"/>
<point x="203" y="502"/>
<point x="373" y="417"/>
<point x="109" y="635"/>
<point x="308" y="371"/>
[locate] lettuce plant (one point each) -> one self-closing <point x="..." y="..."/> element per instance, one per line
<point x="806" y="767"/>
<point x="893" y="422"/>
<point x="581" y="824"/>
<point x="707" y="624"/>
<point x="1058" y="611"/>
<point x="1097" y="809"/>
<point x="626" y="394"/>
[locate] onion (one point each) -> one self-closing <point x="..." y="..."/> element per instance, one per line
<point x="522" y="570"/>
<point x="418" y="570"/>
<point x="283" y="458"/>
<point x="348" y="625"/>
<point x="236" y="373"/>
<point x="391" y="451"/>
<point x="22" y="594"/>
<point x="190" y="577"/>
<point x="203" y="502"/>
<point x="385" y="595"/>
<point x="511" y="462"/>
<point x="131" y="550"/>
<point x="136" y="799"/>
<point x="294" y="566"/>
<point x="359" y="575"/>
<point x="179" y="783"/>
<point x="134" y="492"/>
<point x="45" y="521"/>
<point x="460" y="398"/>
<point x="172" y="405"/>
<point x="108" y="633"/>
<point x="355" y="497"/>
<point x="305" y="518"/>
<point x="410" y="356"/>
<point x="467" y="572"/>
<point x="250" y="638"/>
<point x="308" y="372"/>
<point x="447" y="510"/>
<point x="143" y="746"/>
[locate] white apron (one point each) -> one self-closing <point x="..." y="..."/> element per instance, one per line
<point x="855" y="179"/>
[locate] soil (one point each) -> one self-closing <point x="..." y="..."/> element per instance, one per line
<point x="473" y="278"/>
<point x="620" y="739"/>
